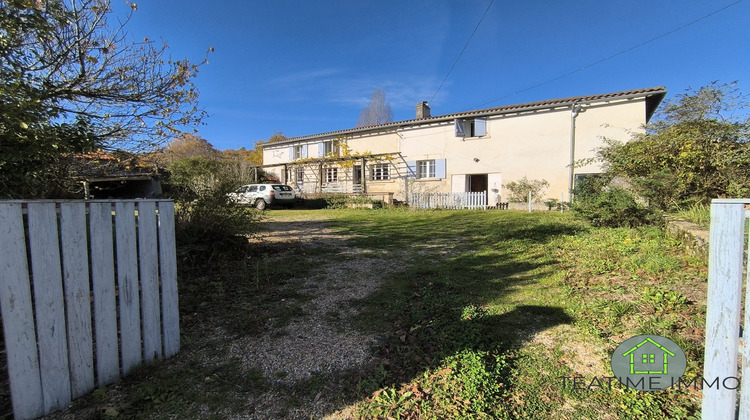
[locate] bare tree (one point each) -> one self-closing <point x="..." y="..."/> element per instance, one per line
<point x="70" y="82"/>
<point x="378" y="111"/>
<point x="81" y="68"/>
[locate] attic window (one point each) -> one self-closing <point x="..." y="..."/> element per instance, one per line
<point x="471" y="127"/>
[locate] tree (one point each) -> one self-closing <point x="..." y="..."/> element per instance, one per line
<point x="189" y="145"/>
<point x="71" y="83"/>
<point x="378" y="111"/>
<point x="696" y="150"/>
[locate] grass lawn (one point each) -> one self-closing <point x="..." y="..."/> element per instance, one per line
<point x="491" y="309"/>
<point x="479" y="314"/>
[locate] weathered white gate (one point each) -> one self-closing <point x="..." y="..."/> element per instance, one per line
<point x="725" y="278"/>
<point x="96" y="296"/>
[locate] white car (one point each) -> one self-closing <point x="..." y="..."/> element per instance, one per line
<point x="263" y="195"/>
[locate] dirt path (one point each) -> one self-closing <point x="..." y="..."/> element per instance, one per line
<point x="314" y="352"/>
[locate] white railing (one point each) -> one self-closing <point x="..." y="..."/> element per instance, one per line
<point x="725" y="280"/>
<point x="104" y="282"/>
<point x="456" y="200"/>
<point x="342" y="188"/>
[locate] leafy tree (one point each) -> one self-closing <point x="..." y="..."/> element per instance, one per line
<point x="70" y="83"/>
<point x="242" y="165"/>
<point x="697" y="150"/>
<point x="196" y="175"/>
<point x="377" y="111"/>
<point x="188" y="146"/>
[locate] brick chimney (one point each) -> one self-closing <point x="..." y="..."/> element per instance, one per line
<point x="423" y="110"/>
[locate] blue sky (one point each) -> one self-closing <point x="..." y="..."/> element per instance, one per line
<point x="306" y="67"/>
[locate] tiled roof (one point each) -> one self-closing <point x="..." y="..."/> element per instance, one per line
<point x="656" y="94"/>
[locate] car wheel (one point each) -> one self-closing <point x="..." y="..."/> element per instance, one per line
<point x="260" y="204"/>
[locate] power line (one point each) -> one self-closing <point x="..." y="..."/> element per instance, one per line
<point x="627" y="50"/>
<point x="462" y="51"/>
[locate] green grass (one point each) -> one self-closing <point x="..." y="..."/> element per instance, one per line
<point x="463" y="313"/>
<point x="480" y="315"/>
<point x="697" y="213"/>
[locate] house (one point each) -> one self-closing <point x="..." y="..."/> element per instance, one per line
<point x="648" y="357"/>
<point x="471" y="151"/>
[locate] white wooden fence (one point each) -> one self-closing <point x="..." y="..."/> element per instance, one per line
<point x="725" y="279"/>
<point x="454" y="200"/>
<point x="96" y="296"/>
<point x="342" y="188"/>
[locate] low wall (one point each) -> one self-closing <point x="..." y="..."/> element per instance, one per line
<point x="694" y="237"/>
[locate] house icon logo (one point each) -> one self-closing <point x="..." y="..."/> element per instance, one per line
<point x="648" y="362"/>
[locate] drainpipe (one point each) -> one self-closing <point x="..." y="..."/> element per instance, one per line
<point x="574" y="110"/>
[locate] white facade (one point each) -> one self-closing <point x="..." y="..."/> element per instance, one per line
<point x="472" y="151"/>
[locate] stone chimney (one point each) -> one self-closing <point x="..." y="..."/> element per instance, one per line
<point x="423" y="110"/>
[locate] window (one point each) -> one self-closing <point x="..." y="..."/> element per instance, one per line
<point x="330" y="147"/>
<point x="380" y="172"/>
<point x="426" y="169"/>
<point x="299" y="176"/>
<point x="471" y="127"/>
<point x="253" y="188"/>
<point x="332" y="174"/>
<point x="298" y="152"/>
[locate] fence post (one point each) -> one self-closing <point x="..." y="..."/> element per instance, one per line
<point x="726" y="245"/>
<point x="529" y="201"/>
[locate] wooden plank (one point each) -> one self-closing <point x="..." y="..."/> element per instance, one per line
<point x="168" y="271"/>
<point x="723" y="307"/>
<point x="18" y="316"/>
<point x="103" y="286"/>
<point x="148" y="256"/>
<point x="75" y="256"/>
<point x="127" y="283"/>
<point x="49" y="305"/>
<point x="745" y="390"/>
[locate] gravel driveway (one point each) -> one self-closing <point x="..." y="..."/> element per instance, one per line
<point x="319" y="345"/>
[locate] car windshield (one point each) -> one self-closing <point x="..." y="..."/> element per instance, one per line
<point x="282" y="188"/>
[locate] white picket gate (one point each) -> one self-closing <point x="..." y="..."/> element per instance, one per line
<point x="726" y="254"/>
<point x="96" y="297"/>
<point x="453" y="200"/>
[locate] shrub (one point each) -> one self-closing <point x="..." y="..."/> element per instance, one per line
<point x="609" y="206"/>
<point x="336" y="201"/>
<point x="212" y="229"/>
<point x="519" y="190"/>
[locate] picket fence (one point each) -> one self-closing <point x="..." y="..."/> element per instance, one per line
<point x="96" y="296"/>
<point x="455" y="200"/>
<point x="726" y="254"/>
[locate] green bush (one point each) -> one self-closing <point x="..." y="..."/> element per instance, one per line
<point x="336" y="201"/>
<point x="609" y="206"/>
<point x="519" y="190"/>
<point x="213" y="217"/>
<point x="212" y="230"/>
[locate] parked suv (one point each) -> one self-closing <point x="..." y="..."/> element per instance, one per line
<point x="264" y="195"/>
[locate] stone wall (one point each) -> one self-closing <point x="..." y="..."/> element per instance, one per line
<point x="694" y="237"/>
